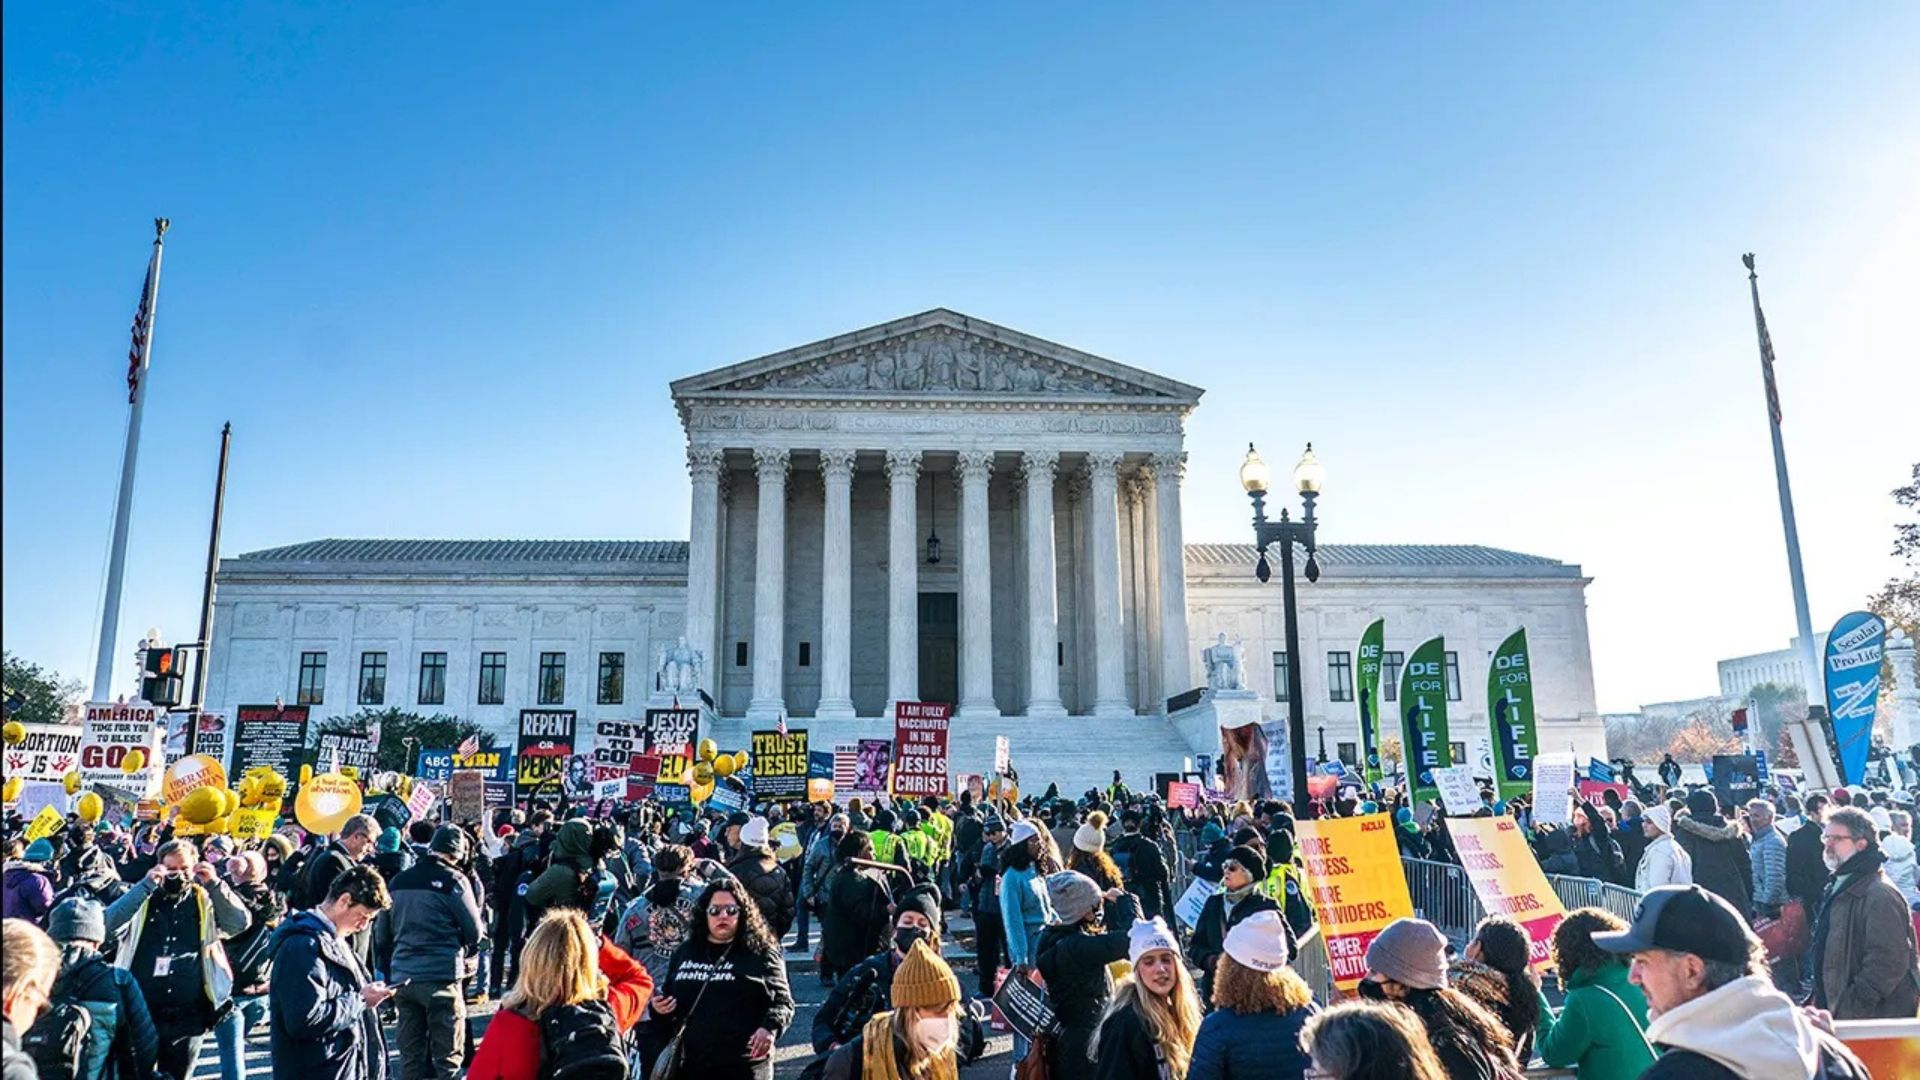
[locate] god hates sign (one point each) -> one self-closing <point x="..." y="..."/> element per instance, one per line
<point x="920" y="748"/>
<point x="1508" y="879"/>
<point x="1356" y="884"/>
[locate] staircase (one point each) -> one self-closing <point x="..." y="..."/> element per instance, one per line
<point x="1077" y="752"/>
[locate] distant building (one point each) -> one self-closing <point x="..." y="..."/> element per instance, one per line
<point x="1781" y="667"/>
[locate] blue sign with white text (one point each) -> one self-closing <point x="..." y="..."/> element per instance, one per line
<point x="1851" y="670"/>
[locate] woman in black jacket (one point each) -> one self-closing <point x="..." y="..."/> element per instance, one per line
<point x="727" y="987"/>
<point x="1242" y="871"/>
<point x="1149" y="1028"/>
<point x="1072" y="956"/>
<point x="853" y="912"/>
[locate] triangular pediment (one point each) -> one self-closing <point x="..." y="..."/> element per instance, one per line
<point x="936" y="354"/>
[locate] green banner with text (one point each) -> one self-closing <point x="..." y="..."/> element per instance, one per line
<point x="1371" y="644"/>
<point x="1510" y="707"/>
<point x="1423" y="713"/>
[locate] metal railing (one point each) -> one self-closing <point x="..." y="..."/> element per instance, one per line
<point x="1443" y="896"/>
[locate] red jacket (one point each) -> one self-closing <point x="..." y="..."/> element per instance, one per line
<point x="510" y="1050"/>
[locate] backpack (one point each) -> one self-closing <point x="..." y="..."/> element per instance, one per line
<point x="582" y="1042"/>
<point x="73" y="1039"/>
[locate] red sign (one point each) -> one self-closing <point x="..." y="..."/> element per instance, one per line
<point x="642" y="771"/>
<point x="920" y="748"/>
<point x="1590" y="790"/>
<point x="1180" y="793"/>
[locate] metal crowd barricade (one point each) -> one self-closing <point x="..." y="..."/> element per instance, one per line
<point x="1443" y="896"/>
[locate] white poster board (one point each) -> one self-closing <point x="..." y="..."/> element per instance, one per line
<point x="1458" y="793"/>
<point x="1552" y="780"/>
<point x="1187" y="908"/>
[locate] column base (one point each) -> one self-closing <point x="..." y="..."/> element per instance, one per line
<point x="1046" y="710"/>
<point x="766" y="710"/>
<point x="979" y="710"/>
<point x="1112" y="710"/>
<point x="834" y="710"/>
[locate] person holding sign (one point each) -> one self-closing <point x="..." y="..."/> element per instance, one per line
<point x="1073" y="955"/>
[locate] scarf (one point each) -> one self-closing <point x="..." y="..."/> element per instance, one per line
<point x="1866" y="864"/>
<point x="883" y="1045"/>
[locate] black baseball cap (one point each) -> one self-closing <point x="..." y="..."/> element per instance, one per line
<point x="1683" y="918"/>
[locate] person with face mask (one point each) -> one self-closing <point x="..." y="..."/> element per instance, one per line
<point x="1407" y="964"/>
<point x="1072" y="957"/>
<point x="247" y="951"/>
<point x="175" y="921"/>
<point x="861" y="993"/>
<point x="919" y="1037"/>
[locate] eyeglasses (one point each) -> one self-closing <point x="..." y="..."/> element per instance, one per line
<point x="1829" y="838"/>
<point x="723" y="909"/>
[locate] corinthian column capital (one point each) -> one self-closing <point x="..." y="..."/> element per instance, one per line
<point x="705" y="462"/>
<point x="772" y="464"/>
<point x="903" y="466"/>
<point x="836" y="464"/>
<point x="1039" y="466"/>
<point x="974" y="466"/>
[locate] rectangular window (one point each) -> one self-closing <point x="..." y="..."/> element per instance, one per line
<point x="313" y="679"/>
<point x="1339" y="676"/>
<point x="553" y="678"/>
<point x="1280" y="676"/>
<point x="806" y="654"/>
<point x="373" y="678"/>
<point x="613" y="678"/>
<point x="433" y="678"/>
<point x="1349" y="755"/>
<point x="1459" y="751"/>
<point x="1453" y="676"/>
<point x="1390" y="674"/>
<point x="493" y="678"/>
<point x="739" y="654"/>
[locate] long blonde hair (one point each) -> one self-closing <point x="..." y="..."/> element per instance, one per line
<point x="559" y="965"/>
<point x="1172" y="1022"/>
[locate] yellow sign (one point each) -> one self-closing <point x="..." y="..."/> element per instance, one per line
<point x="326" y="802"/>
<point x="45" y="823"/>
<point x="1356" y="884"/>
<point x="1508" y="879"/>
<point x="253" y="824"/>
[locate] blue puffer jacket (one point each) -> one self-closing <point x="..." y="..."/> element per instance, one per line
<point x="1246" y="1046"/>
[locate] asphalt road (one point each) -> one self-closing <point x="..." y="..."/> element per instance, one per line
<point x="795" y="1049"/>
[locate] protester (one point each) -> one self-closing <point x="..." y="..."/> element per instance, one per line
<point x="1594" y="850"/>
<point x="247" y="953"/>
<point x="26" y="883"/>
<point x="353" y="846"/>
<point x="853" y="924"/>
<point x="391" y="855"/>
<point x="1714" y="1010"/>
<point x="816" y="865"/>
<point x="1024" y="911"/>
<point x="983" y="887"/>
<point x="1072" y="956"/>
<point x="765" y="880"/>
<point x="575" y="877"/>
<point x="1145" y="867"/>
<point x="1260" y="1008"/>
<point x="1369" y="1040"/>
<point x="1407" y="963"/>
<point x="1767" y="851"/>
<point x="175" y="919"/>
<point x="433" y="923"/>
<point x="571" y="1005"/>
<point x="918" y="1038"/>
<point x="863" y="991"/>
<point x="120" y="1043"/>
<point x="1495" y="971"/>
<point x="1719" y="851"/>
<point x="1632" y="837"/>
<point x="325" y="1022"/>
<point x="1600" y="1031"/>
<point x="32" y="963"/>
<point x="1865" y="965"/>
<point x="513" y="873"/>
<point x="726" y="988"/>
<point x="87" y="867"/>
<point x="1242" y="871"/>
<point x="1902" y="868"/>
<point x="1662" y="861"/>
<point x="1154" y="1017"/>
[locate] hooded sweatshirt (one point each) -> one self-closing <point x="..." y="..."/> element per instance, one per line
<point x="1746" y="1026"/>
<point x="1901" y="866"/>
<point x="561" y="883"/>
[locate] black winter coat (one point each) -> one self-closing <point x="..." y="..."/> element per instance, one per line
<point x="1210" y="932"/>
<point x="1127" y="1050"/>
<point x="854" y="918"/>
<point x="1074" y="963"/>
<point x="110" y="996"/>
<point x="321" y="1026"/>
<point x="1720" y="862"/>
<point x="1806" y="865"/>
<point x="723" y="993"/>
<point x="769" y="885"/>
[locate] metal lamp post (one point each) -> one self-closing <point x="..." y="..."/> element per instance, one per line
<point x="1308" y="478"/>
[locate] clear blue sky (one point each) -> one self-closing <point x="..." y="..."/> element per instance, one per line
<point x="437" y="263"/>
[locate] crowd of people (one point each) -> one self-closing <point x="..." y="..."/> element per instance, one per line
<point x="661" y="943"/>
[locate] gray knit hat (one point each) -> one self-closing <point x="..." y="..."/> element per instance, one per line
<point x="1410" y="952"/>
<point x="77" y="919"/>
<point x="1073" y="895"/>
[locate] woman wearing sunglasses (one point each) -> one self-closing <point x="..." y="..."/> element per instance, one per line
<point x="726" y="989"/>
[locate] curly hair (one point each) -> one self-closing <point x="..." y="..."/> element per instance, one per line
<point x="1573" y="947"/>
<point x="1097" y="865"/>
<point x="753" y="932"/>
<point x="1245" y="990"/>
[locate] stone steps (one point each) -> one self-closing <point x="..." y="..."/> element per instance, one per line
<point x="1075" y="752"/>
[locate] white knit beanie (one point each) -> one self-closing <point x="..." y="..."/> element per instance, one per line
<point x="1148" y="935"/>
<point x="1089" y="839"/>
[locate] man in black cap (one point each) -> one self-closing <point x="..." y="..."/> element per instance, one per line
<point x="1714" y="1010"/>
<point x="424" y="937"/>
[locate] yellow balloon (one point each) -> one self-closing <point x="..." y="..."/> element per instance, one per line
<point x="202" y="805"/>
<point x="723" y="765"/>
<point x="306" y="775"/>
<point x="708" y="750"/>
<point x="195" y="772"/>
<point x="326" y="802"/>
<point x="133" y="762"/>
<point x="233" y="799"/>
<point x="703" y="773"/>
<point x="699" y="792"/>
<point x="740" y="760"/>
<point x="14" y="733"/>
<point x="71" y="782"/>
<point x="90" y="807"/>
<point x="10" y="791"/>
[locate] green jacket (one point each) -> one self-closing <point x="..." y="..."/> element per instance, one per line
<point x="1593" y="1033"/>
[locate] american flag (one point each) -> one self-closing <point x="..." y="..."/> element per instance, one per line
<point x="468" y="747"/>
<point x="781" y="727"/>
<point x="1766" y="364"/>
<point x="844" y="755"/>
<point x="142" y="328"/>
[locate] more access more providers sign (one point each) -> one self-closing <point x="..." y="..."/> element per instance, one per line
<point x="920" y="748"/>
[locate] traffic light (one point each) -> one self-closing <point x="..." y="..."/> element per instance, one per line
<point x="162" y="684"/>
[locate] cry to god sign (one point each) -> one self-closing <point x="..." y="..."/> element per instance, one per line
<point x="1357" y="886"/>
<point x="1507" y="878"/>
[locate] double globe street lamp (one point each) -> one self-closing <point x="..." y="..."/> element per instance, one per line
<point x="1309" y="476"/>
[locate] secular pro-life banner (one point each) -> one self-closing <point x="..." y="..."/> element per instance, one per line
<point x="1356" y="884"/>
<point x="1423" y="716"/>
<point x="1516" y="741"/>
<point x="780" y="764"/>
<point x="1508" y="879"/>
<point x="920" y="748"/>
<point x="1367" y="693"/>
<point x="545" y="744"/>
<point x="1851" y="669"/>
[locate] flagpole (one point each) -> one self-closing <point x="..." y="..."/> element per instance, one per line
<point x="1810" y="668"/>
<point x="123" y="509"/>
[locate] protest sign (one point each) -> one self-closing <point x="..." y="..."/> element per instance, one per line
<point x="872" y="764"/>
<point x="1552" y="780"/>
<point x="1187" y="908"/>
<point x="545" y="743"/>
<point x="270" y="735"/>
<point x="336" y="750"/>
<point x="780" y="764"/>
<point x="920" y="748"/>
<point x="643" y="772"/>
<point x="254" y="824"/>
<point x="1595" y="790"/>
<point x="1423" y="706"/>
<point x="1508" y="879"/>
<point x="1356" y="884"/>
<point x="844" y="756"/>
<point x="440" y="765"/>
<point x="1372" y="644"/>
<point x="1516" y="739"/>
<point x="108" y="733"/>
<point x="467" y="796"/>
<point x="1023" y="1001"/>
<point x="1002" y="755"/>
<point x="672" y="734"/>
<point x="610" y="788"/>
<point x="1458" y="793"/>
<point x="1182" y="793"/>
<point x="820" y="775"/>
<point x="36" y="794"/>
<point x="499" y="794"/>
<point x="45" y="824"/>
<point x="578" y="778"/>
<point x="1851" y="671"/>
<point x="616" y="741"/>
<point x="421" y="800"/>
<point x="1278" y="760"/>
<point x="728" y="799"/>
<point x="49" y="752"/>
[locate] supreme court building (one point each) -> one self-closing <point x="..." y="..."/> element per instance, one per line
<point x="936" y="509"/>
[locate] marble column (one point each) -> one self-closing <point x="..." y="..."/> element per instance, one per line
<point x="1142" y="642"/>
<point x="770" y="587"/>
<point x="1150" y="562"/>
<point x="1043" y="629"/>
<point x="975" y="468"/>
<point x="1176" y="663"/>
<point x="1109" y="633"/>
<point x="903" y="579"/>
<point x="703" y="564"/>
<point x="836" y="588"/>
